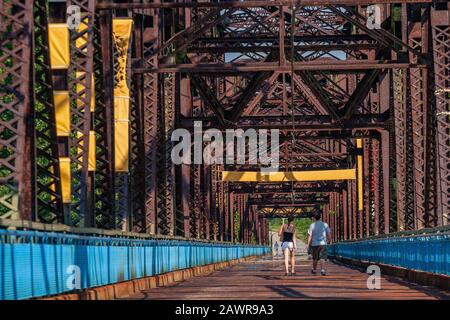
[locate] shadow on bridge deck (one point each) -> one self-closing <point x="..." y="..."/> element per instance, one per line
<point x="263" y="279"/>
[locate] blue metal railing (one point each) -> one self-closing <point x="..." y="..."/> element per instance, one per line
<point x="35" y="263"/>
<point x="430" y="253"/>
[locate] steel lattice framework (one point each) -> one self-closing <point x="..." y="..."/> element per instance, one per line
<point x="314" y="69"/>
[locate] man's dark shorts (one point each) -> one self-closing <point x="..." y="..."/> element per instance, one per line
<point x="319" y="252"/>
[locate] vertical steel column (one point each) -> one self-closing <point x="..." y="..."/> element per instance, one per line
<point x="440" y="26"/>
<point x="367" y="188"/>
<point x="104" y="121"/>
<point x="354" y="210"/>
<point x="48" y="185"/>
<point x="185" y="107"/>
<point x="196" y="197"/>
<point x="141" y="220"/>
<point x="206" y="212"/>
<point x="231" y="204"/>
<point x="214" y="202"/>
<point x="166" y="195"/>
<point x="386" y="190"/>
<point x="167" y="96"/>
<point x="418" y="83"/>
<point x="80" y="76"/>
<point x="402" y="116"/>
<point x="375" y="161"/>
<point x="16" y="22"/>
<point x="345" y="210"/>
<point x="147" y="183"/>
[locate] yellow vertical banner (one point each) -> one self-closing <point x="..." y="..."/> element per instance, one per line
<point x="64" y="167"/>
<point x="58" y="40"/>
<point x="92" y="146"/>
<point x="62" y="113"/>
<point x="359" y="159"/>
<point x="121" y="34"/>
<point x="80" y="89"/>
<point x="121" y="143"/>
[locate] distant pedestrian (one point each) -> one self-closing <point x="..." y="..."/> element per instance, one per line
<point x="276" y="246"/>
<point x="318" y="234"/>
<point x="288" y="234"/>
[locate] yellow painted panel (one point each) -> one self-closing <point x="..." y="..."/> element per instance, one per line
<point x="81" y="41"/>
<point x="359" y="143"/>
<point x="58" y="34"/>
<point x="281" y="176"/>
<point x="360" y="176"/>
<point x="92" y="146"/>
<point x="52" y="186"/>
<point x="121" y="136"/>
<point x="121" y="108"/>
<point x="64" y="167"/>
<point x="121" y="34"/>
<point x="80" y="88"/>
<point x="62" y="112"/>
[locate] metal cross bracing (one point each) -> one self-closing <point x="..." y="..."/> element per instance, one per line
<point x="313" y="69"/>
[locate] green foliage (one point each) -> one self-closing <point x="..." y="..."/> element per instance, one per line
<point x="301" y="226"/>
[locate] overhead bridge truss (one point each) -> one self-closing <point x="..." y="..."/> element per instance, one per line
<point x="88" y="112"/>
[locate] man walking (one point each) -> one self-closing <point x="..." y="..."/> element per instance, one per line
<point x="276" y="246"/>
<point x="318" y="234"/>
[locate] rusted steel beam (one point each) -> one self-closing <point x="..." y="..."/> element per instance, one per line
<point x="104" y="123"/>
<point x="289" y="205"/>
<point x="209" y="97"/>
<point x="231" y="204"/>
<point x="262" y="188"/>
<point x="141" y="220"/>
<point x="367" y="187"/>
<point x="182" y="39"/>
<point x="195" y="202"/>
<point x="303" y="123"/>
<point x="184" y="109"/>
<point x="166" y="207"/>
<point x="247" y="4"/>
<point x="440" y="26"/>
<point x="237" y="39"/>
<point x="16" y="140"/>
<point x="376" y="163"/>
<point x="361" y="92"/>
<point x="345" y="224"/>
<point x="47" y="192"/>
<point x="299" y="214"/>
<point x="386" y="177"/>
<point x="80" y="74"/>
<point x="246" y="96"/>
<point x="418" y="39"/>
<point x="286" y="203"/>
<point x="272" y="48"/>
<point x="316" y="65"/>
<point x="149" y="131"/>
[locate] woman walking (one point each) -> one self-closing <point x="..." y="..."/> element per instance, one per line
<point x="288" y="245"/>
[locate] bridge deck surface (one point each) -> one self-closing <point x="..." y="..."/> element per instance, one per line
<point x="264" y="279"/>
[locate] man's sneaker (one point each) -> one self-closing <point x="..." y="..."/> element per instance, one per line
<point x="322" y="272"/>
<point x="313" y="271"/>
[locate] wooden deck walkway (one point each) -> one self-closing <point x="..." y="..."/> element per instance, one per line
<point x="264" y="279"/>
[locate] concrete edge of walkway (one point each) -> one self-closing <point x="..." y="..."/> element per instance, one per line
<point x="420" y="277"/>
<point x="127" y="288"/>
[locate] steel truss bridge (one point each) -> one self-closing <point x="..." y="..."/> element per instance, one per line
<point x="92" y="90"/>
